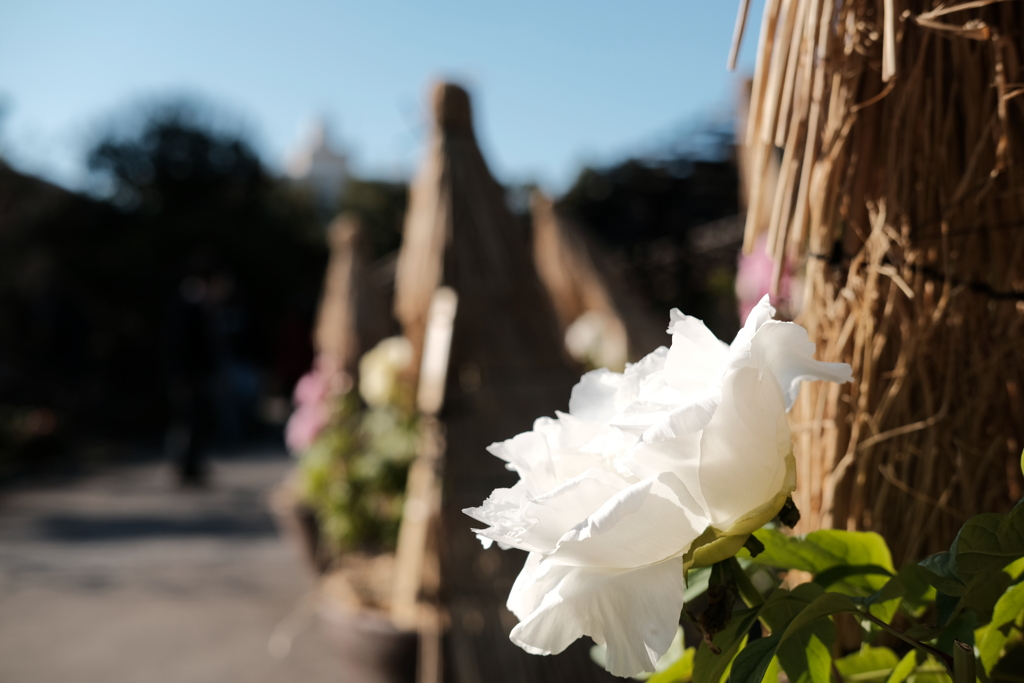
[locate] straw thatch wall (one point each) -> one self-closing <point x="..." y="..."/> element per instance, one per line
<point x="353" y="313"/>
<point x="506" y="368"/>
<point x="900" y="187"/>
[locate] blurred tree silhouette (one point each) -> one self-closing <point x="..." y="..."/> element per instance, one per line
<point x="380" y="206"/>
<point x="86" y="286"/>
<point x="183" y="185"/>
<point x="650" y="213"/>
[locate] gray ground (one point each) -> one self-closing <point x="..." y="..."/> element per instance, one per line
<point x="121" y="577"/>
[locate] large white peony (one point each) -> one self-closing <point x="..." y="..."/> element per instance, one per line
<point x="676" y="460"/>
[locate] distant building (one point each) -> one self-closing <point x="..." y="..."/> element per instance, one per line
<point x="319" y="167"/>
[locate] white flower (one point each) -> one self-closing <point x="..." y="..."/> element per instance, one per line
<point x="379" y="369"/>
<point x="674" y="461"/>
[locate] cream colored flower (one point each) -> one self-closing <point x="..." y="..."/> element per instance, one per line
<point x="379" y="370"/>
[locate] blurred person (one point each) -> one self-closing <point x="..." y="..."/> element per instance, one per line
<point x="196" y="350"/>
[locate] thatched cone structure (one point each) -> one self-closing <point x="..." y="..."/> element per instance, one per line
<point x="581" y="281"/>
<point x="900" y="127"/>
<point x="353" y="313"/>
<point x="506" y="368"/>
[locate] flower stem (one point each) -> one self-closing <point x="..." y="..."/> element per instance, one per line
<point x="750" y="595"/>
<point x="963" y="663"/>
<point x="924" y="647"/>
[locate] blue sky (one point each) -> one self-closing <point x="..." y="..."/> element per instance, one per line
<point x="556" y="84"/>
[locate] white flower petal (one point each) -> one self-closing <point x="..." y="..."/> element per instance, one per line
<point x="568" y="432"/>
<point x="759" y="315"/>
<point x="785" y="349"/>
<point x="650" y="521"/>
<point x="743" y="448"/>
<point x="691" y="416"/>
<point x="538" y="523"/>
<point x="641" y="378"/>
<point x="639" y="416"/>
<point x="697" y="356"/>
<point x="680" y="455"/>
<point x="593" y="397"/>
<point x="634" y="612"/>
<point x="528" y="455"/>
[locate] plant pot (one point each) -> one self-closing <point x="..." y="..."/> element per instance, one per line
<point x="354" y="610"/>
<point x="298" y="524"/>
<point x="370" y="648"/>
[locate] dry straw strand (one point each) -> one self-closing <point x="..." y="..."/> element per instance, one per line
<point x="898" y="191"/>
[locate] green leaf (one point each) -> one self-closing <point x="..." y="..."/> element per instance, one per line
<point x="869" y="665"/>
<point x="823" y="606"/>
<point x="961" y="628"/>
<point x="885" y="602"/>
<point x="821" y="551"/>
<point x="985" y="545"/>
<point x="679" y="672"/>
<point x="1015" y="569"/>
<point x="931" y="671"/>
<point x="843" y="571"/>
<point x="753" y="661"/>
<point x="918" y="592"/>
<point x="782" y="605"/>
<point x="989" y="542"/>
<point x="709" y="667"/>
<point x="805" y="656"/>
<point x="772" y="674"/>
<point x="939" y="570"/>
<point x="903" y="670"/>
<point x="748" y="592"/>
<point x="1010" y="667"/>
<point x="1008" y="608"/>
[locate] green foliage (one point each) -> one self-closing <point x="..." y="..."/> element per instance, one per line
<point x="680" y="671"/>
<point x="854" y="563"/>
<point x="974" y="590"/>
<point x="868" y="665"/>
<point x="1004" y="629"/>
<point x="354" y="475"/>
<point x="903" y="669"/>
<point x="710" y="666"/>
<point x="985" y="545"/>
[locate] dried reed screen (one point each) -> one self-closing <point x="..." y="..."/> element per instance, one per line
<point x="353" y="313"/>
<point x="899" y="129"/>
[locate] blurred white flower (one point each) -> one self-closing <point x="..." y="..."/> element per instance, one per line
<point x="674" y="461"/>
<point x="599" y="339"/>
<point x="379" y="370"/>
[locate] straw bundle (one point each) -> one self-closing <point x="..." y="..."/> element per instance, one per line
<point x="581" y="280"/>
<point x="353" y="314"/>
<point x="506" y="367"/>
<point x="899" y="126"/>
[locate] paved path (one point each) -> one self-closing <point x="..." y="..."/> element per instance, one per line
<point x="123" y="578"/>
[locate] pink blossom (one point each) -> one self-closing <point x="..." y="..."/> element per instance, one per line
<point x="311" y="387"/>
<point x="754" y="281"/>
<point x="305" y="425"/>
<point x="312" y="410"/>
